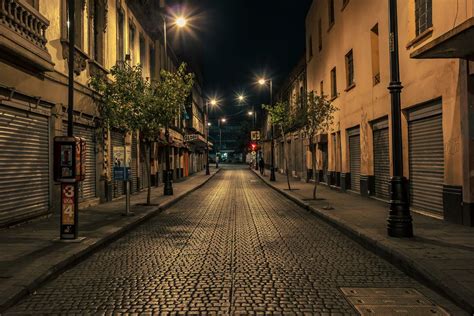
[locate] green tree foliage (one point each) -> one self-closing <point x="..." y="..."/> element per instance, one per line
<point x="281" y="116"/>
<point x="129" y="102"/>
<point x="319" y="118"/>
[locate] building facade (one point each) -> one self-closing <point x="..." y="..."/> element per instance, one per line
<point x="347" y="61"/>
<point x="33" y="100"/>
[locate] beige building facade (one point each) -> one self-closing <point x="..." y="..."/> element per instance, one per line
<point x="33" y="100"/>
<point x="347" y="59"/>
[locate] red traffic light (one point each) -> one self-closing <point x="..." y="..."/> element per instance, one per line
<point x="253" y="146"/>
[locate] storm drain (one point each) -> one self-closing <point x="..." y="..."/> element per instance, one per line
<point x="391" y="301"/>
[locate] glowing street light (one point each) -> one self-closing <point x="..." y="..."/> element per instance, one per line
<point x="250" y="113"/>
<point x="262" y="81"/>
<point x="213" y="102"/>
<point x="181" y="21"/>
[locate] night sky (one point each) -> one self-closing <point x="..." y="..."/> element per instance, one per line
<point x="235" y="41"/>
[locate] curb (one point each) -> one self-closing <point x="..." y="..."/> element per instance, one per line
<point x="398" y="259"/>
<point x="83" y="254"/>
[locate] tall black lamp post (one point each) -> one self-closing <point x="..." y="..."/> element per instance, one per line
<point x="399" y="219"/>
<point x="272" y="147"/>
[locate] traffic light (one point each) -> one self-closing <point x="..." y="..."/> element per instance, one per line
<point x="253" y="146"/>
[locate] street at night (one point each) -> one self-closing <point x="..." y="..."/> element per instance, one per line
<point x="237" y="157"/>
<point x="233" y="246"/>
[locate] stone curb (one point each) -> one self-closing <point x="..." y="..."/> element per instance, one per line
<point x="434" y="280"/>
<point x="82" y="254"/>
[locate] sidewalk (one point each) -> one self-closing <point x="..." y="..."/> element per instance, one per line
<point x="29" y="255"/>
<point x="441" y="254"/>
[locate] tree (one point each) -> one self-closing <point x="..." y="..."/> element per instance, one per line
<point x="319" y="119"/>
<point x="131" y="103"/>
<point x="170" y="95"/>
<point x="280" y="115"/>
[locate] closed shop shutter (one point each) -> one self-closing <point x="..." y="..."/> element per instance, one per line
<point x="381" y="160"/>
<point x="87" y="188"/>
<point x="117" y="140"/>
<point x="24" y="165"/>
<point x="354" y="152"/>
<point x="134" y="166"/>
<point x="426" y="152"/>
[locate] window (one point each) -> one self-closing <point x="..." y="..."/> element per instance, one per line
<point x="120" y="34"/>
<point x="331" y="12"/>
<point x="310" y="47"/>
<point x="131" y="42"/>
<point x="333" y="83"/>
<point x="96" y="30"/>
<point x="321" y="88"/>
<point x="374" y="42"/>
<point x="142" y="51"/>
<point x="302" y="98"/>
<point x="423" y="15"/>
<point x="320" y="35"/>
<point x="78" y="21"/>
<point x="350" y="69"/>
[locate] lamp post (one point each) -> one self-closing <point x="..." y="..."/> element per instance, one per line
<point x="253" y="114"/>
<point x="223" y="120"/>
<point x="208" y="124"/>
<point x="263" y="82"/>
<point x="168" y="188"/>
<point x="399" y="222"/>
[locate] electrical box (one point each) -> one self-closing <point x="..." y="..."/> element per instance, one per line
<point x="69" y="159"/>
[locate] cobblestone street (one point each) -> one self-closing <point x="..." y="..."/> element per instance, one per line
<point x="233" y="246"/>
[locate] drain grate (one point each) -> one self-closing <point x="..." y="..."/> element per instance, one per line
<point x="391" y="301"/>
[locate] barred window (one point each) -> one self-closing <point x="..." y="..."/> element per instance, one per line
<point x="423" y="15"/>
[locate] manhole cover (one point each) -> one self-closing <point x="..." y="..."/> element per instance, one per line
<point x="391" y="301"/>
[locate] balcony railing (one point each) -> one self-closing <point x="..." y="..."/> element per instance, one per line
<point x="23" y="32"/>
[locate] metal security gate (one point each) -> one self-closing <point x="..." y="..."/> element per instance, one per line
<point x="425" y="133"/>
<point x="354" y="152"/>
<point x="117" y="140"/>
<point x="381" y="159"/>
<point x="24" y="165"/>
<point x="134" y="166"/>
<point x="87" y="188"/>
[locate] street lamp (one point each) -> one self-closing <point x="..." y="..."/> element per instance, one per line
<point x="262" y="82"/>
<point x="213" y="102"/>
<point x="219" y="122"/>
<point x="399" y="222"/>
<point x="168" y="188"/>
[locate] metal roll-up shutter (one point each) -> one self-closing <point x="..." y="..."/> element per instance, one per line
<point x="87" y="188"/>
<point x="117" y="140"/>
<point x="381" y="160"/>
<point x="426" y="151"/>
<point x="24" y="165"/>
<point x="134" y="166"/>
<point x="354" y="156"/>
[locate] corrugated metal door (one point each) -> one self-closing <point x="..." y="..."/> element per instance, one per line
<point x="87" y="188"/>
<point x="354" y="152"/>
<point x="381" y="160"/>
<point x="24" y="165"/>
<point x="117" y="140"/>
<point x="425" y="132"/>
<point x="134" y="166"/>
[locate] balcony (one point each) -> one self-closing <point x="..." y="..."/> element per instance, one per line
<point x="23" y="36"/>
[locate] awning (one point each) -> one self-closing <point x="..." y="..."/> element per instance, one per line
<point x="457" y="43"/>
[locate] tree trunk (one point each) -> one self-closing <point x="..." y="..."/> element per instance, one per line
<point x="313" y="158"/>
<point x="148" y="171"/>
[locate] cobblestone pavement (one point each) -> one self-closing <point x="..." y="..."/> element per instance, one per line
<point x="234" y="247"/>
